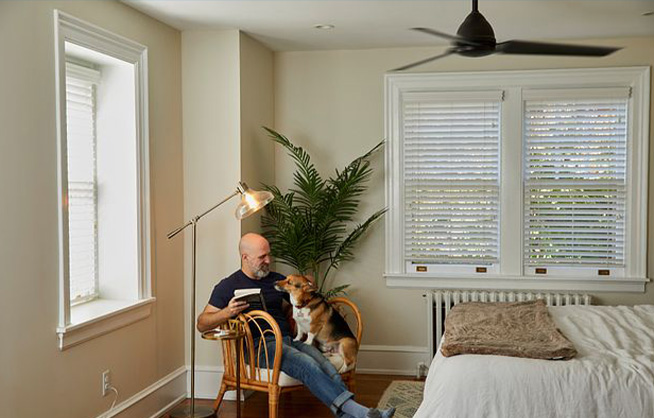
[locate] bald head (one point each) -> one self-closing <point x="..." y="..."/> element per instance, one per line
<point x="250" y="242"/>
<point x="255" y="255"/>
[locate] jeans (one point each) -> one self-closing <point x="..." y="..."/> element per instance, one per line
<point x="307" y="364"/>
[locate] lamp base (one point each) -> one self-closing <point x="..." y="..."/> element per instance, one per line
<point x="184" y="411"/>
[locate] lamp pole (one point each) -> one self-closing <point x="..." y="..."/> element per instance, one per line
<point x="251" y="202"/>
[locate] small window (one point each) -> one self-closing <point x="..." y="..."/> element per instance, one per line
<point x="103" y="179"/>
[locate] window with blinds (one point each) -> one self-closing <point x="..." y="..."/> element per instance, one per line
<point x="82" y="185"/>
<point x="451" y="178"/>
<point x="103" y="181"/>
<point x="518" y="179"/>
<point x="575" y="180"/>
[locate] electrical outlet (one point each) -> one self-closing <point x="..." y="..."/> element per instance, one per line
<point x="106" y="382"/>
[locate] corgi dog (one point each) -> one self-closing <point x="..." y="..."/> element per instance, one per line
<point x="320" y="321"/>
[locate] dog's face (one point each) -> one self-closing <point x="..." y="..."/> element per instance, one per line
<point x="299" y="287"/>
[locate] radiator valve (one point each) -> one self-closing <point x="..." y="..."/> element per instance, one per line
<point x="421" y="370"/>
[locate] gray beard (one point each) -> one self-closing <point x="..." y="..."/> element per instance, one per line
<point x="261" y="273"/>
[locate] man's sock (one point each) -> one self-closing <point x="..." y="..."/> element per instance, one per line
<point x="376" y="413"/>
<point x="350" y="407"/>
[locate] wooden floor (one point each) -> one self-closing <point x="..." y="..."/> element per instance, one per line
<point x="302" y="403"/>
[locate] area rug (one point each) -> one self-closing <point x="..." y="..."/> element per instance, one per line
<point x="404" y="395"/>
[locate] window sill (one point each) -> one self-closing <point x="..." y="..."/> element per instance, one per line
<point x="594" y="284"/>
<point x="92" y="319"/>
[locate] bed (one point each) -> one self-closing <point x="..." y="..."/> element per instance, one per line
<point x="612" y="375"/>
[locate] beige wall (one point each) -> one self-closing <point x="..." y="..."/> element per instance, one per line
<point x="257" y="151"/>
<point x="36" y="379"/>
<point x="228" y="96"/>
<point x="331" y="103"/>
<point x="211" y="103"/>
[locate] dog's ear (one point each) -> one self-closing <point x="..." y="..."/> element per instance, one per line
<point x="310" y="278"/>
<point x="310" y="288"/>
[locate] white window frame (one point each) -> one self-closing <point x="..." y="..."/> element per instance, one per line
<point x="512" y="273"/>
<point x="101" y="316"/>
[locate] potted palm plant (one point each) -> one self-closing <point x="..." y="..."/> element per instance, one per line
<point x="311" y="227"/>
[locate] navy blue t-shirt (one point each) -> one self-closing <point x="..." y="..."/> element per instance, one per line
<point x="223" y="292"/>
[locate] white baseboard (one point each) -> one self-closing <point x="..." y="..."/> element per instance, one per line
<point x="373" y="359"/>
<point x="169" y="407"/>
<point x="394" y="348"/>
<point x="207" y="383"/>
<point x="153" y="401"/>
<point x="391" y="359"/>
<point x="397" y="372"/>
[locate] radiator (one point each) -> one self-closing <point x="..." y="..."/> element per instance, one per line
<point x="441" y="301"/>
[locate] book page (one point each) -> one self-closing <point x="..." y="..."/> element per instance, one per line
<point x="253" y="297"/>
<point x="238" y="293"/>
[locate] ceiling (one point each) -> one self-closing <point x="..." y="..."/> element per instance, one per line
<point x="359" y="24"/>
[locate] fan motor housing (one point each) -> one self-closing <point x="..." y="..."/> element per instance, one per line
<point x="476" y="29"/>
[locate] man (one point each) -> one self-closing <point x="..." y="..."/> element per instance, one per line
<point x="300" y="361"/>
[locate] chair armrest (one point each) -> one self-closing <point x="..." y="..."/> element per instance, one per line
<point x="253" y="364"/>
<point x="355" y="310"/>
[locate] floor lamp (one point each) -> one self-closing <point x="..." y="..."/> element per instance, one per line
<point x="251" y="201"/>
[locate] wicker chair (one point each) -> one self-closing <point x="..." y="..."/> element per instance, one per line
<point x="269" y="377"/>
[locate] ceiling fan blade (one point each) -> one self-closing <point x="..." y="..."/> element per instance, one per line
<point x="541" y="48"/>
<point x="425" y="61"/>
<point x="445" y="35"/>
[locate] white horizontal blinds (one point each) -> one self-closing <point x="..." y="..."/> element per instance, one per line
<point x="82" y="187"/>
<point x="575" y="187"/>
<point x="451" y="177"/>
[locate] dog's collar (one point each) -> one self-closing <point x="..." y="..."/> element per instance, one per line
<point x="305" y="304"/>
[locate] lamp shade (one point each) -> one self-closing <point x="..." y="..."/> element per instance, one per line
<point x="251" y="201"/>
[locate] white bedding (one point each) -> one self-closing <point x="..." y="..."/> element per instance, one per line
<point x="611" y="377"/>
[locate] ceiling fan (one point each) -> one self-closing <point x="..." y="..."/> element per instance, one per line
<point x="475" y="38"/>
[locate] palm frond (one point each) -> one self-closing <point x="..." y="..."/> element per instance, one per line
<point x="344" y="251"/>
<point x="307" y="180"/>
<point x="336" y="291"/>
<point x="341" y="200"/>
<point x="287" y="238"/>
<point x="344" y="190"/>
<point x="309" y="227"/>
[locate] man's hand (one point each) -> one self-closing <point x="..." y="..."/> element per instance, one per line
<point x="236" y="307"/>
<point x="212" y="317"/>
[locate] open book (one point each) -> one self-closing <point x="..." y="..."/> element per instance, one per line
<point x="253" y="297"/>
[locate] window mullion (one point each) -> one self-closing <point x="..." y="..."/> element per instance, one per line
<point x="637" y="159"/>
<point x="511" y="208"/>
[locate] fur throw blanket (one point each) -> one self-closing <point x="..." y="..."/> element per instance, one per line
<point x="520" y="329"/>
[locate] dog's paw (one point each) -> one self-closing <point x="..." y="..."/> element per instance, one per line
<point x="347" y="367"/>
<point x="336" y="360"/>
<point x="344" y="368"/>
